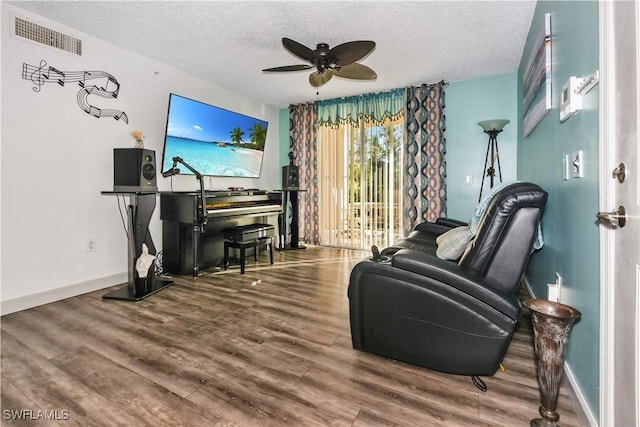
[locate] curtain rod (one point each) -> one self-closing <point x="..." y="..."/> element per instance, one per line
<point x="362" y="95"/>
<point x="429" y="85"/>
<point x="441" y="82"/>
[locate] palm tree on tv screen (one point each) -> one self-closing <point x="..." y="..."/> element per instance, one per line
<point x="236" y="135"/>
<point x="258" y="136"/>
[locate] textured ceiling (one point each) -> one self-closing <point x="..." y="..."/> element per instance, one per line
<point x="229" y="43"/>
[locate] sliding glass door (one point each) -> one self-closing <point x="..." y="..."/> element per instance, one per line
<point x="360" y="184"/>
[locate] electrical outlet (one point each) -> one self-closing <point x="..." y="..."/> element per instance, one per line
<point x="555" y="289"/>
<point x="553" y="292"/>
<point x="91" y="245"/>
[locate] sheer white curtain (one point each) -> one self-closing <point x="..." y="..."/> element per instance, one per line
<point x="375" y="161"/>
<point x="360" y="186"/>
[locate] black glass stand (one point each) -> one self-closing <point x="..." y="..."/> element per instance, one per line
<point x="130" y="294"/>
<point x="139" y="211"/>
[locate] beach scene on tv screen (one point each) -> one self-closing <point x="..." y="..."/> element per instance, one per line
<point x="212" y="140"/>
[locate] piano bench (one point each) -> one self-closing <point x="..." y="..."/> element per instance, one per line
<point x="247" y="236"/>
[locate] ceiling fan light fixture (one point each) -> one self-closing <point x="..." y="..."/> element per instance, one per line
<point x="340" y="60"/>
<point x="318" y="78"/>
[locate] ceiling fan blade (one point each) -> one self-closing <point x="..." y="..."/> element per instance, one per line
<point x="350" y="52"/>
<point x="355" y="71"/>
<point x="317" y="79"/>
<point x="299" y="50"/>
<point x="290" y="68"/>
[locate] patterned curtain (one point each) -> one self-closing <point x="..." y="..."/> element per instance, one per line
<point x="425" y="166"/>
<point x="303" y="150"/>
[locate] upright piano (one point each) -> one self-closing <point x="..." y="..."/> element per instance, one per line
<point x="189" y="243"/>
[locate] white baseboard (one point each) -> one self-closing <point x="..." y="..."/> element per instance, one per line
<point x="528" y="287"/>
<point x="584" y="414"/>
<point x="580" y="405"/>
<point x="46" y="297"/>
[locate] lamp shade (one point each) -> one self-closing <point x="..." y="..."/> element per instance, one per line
<point x="493" y="125"/>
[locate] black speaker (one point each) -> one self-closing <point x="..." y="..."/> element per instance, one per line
<point x="290" y="177"/>
<point x="134" y="169"/>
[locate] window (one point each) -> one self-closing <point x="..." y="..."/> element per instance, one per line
<point x="360" y="186"/>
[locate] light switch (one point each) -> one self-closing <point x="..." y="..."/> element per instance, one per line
<point x="577" y="165"/>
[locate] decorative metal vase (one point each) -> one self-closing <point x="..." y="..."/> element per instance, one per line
<point x="552" y="323"/>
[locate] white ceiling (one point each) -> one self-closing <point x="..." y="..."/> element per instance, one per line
<point x="230" y="42"/>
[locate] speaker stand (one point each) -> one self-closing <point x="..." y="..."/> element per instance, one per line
<point x="130" y="293"/>
<point x="139" y="211"/>
<point x="290" y="195"/>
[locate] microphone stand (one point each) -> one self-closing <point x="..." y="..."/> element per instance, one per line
<point x="199" y="227"/>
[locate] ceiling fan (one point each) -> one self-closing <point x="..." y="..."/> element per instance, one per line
<point x="340" y="60"/>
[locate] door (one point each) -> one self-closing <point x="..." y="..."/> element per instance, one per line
<point x="620" y="245"/>
<point x="360" y="188"/>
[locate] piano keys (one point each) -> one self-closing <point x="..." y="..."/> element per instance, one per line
<point x="180" y="212"/>
<point x="243" y="209"/>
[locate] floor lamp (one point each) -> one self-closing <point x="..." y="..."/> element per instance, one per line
<point x="491" y="128"/>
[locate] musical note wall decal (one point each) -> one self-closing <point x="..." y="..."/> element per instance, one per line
<point x="98" y="83"/>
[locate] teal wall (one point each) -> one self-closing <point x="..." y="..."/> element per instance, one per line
<point x="569" y="227"/>
<point x="467" y="103"/>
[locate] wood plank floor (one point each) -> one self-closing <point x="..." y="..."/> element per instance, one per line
<point x="267" y="348"/>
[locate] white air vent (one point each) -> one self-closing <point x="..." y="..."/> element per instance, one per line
<point x="47" y="36"/>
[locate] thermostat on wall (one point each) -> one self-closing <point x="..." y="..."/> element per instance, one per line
<point x="570" y="100"/>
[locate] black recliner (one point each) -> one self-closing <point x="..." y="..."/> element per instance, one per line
<point x="450" y="316"/>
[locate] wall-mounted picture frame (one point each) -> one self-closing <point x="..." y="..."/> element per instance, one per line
<point x="536" y="81"/>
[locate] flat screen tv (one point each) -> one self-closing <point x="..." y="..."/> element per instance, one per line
<point x="212" y="140"/>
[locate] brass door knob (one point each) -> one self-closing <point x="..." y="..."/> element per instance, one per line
<point x="616" y="218"/>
